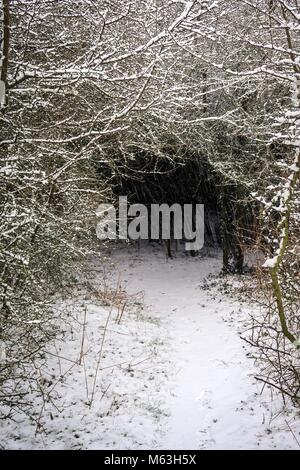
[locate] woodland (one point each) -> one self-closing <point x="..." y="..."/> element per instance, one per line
<point x="163" y="101"/>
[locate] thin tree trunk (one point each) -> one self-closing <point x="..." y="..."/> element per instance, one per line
<point x="4" y="53"/>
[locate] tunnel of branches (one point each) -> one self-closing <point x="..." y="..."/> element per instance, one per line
<point x="149" y="179"/>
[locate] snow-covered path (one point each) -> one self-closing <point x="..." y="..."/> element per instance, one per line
<point x="172" y="374"/>
<point x="215" y="402"/>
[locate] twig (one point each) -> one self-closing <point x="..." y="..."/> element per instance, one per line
<point x="83" y="336"/>
<point x="102" y="343"/>
<point x="292" y="433"/>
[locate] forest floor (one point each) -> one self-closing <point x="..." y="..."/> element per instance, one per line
<point x="170" y="371"/>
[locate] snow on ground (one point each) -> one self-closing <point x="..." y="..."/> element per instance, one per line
<point x="170" y="371"/>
